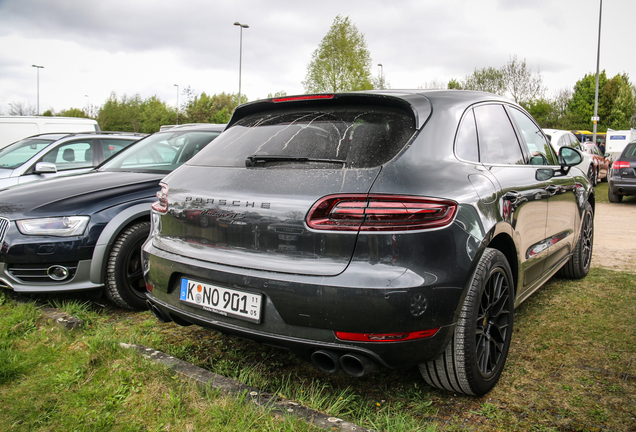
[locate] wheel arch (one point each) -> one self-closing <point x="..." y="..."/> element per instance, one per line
<point x="129" y="216"/>
<point x="505" y="244"/>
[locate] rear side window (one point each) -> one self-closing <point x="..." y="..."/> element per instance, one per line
<point x="112" y="146"/>
<point x="352" y="136"/>
<point x="497" y="139"/>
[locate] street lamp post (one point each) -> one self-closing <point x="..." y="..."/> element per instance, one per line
<point x="595" y="119"/>
<point x="38" y="69"/>
<point x="242" y="26"/>
<point x="88" y="105"/>
<point x="381" y="76"/>
<point x="177" y="86"/>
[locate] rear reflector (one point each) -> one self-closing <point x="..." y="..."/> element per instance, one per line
<point x="161" y="206"/>
<point x="386" y="337"/>
<point x="619" y="164"/>
<point x="358" y="212"/>
<point x="299" y="98"/>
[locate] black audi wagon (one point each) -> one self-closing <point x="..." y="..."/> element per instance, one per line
<point x="371" y="229"/>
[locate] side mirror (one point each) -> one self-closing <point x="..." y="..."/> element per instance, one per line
<point x="45" y="168"/>
<point x="569" y="157"/>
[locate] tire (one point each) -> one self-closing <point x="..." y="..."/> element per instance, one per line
<point x="613" y="198"/>
<point x="125" y="285"/>
<point x="578" y="266"/>
<point x="592" y="175"/>
<point x="475" y="356"/>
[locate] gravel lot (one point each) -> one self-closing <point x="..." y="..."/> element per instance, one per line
<point x="615" y="236"/>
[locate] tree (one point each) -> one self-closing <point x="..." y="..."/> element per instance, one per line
<point x="522" y="85"/>
<point x="487" y="79"/>
<point x="616" y="103"/>
<point x="581" y="105"/>
<point x="211" y="109"/>
<point x="120" y="115"/>
<point x="154" y="113"/>
<point x="73" y="112"/>
<point x="341" y="62"/>
<point x="21" y="109"/>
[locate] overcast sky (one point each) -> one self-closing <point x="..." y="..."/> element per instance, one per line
<point x="91" y="48"/>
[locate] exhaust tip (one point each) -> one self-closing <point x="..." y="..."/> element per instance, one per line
<point x="157" y="313"/>
<point x="357" y="365"/>
<point x="325" y="361"/>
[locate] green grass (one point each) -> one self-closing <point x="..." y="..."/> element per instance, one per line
<point x="52" y="380"/>
<point x="572" y="366"/>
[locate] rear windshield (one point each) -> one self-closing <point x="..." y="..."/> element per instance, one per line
<point x="18" y="153"/>
<point x="340" y="136"/>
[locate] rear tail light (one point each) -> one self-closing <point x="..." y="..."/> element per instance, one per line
<point x="161" y="206"/>
<point x="619" y="164"/>
<point x="386" y="337"/>
<point x="358" y="212"/>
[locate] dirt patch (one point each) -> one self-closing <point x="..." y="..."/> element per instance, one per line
<point x="615" y="236"/>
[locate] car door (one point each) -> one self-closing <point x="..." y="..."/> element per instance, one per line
<point x="68" y="157"/>
<point x="560" y="189"/>
<point x="524" y="198"/>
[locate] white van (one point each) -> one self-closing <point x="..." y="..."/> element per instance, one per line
<point x="616" y="141"/>
<point x="14" y="128"/>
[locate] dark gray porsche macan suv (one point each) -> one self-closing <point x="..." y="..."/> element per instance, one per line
<point x="372" y="229"/>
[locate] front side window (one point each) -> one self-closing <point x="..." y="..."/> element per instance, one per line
<point x="350" y="136"/>
<point x="538" y="145"/>
<point x="160" y="152"/>
<point x="71" y="155"/>
<point x="497" y="139"/>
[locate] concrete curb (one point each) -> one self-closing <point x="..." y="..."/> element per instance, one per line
<point x="206" y="378"/>
<point x="61" y="319"/>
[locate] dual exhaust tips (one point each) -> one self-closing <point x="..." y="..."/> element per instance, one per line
<point x="354" y="364"/>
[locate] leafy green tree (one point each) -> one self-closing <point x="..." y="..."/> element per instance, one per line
<point x="153" y="114"/>
<point x="120" y="115"/>
<point x="486" y="79"/>
<point x="454" y="84"/>
<point x="278" y="94"/>
<point x="73" y="112"/>
<point x="211" y="109"/>
<point x="341" y="62"/>
<point x="581" y="105"/>
<point x="616" y="103"/>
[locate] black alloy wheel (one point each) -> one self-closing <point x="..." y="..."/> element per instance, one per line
<point x="475" y="357"/>
<point x="578" y="266"/>
<point x="125" y="285"/>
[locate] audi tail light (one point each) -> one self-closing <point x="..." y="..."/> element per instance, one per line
<point x="619" y="164"/>
<point x="161" y="206"/>
<point x="361" y="212"/>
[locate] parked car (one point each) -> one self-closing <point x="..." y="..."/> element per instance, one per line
<point x="372" y="229"/>
<point x="622" y="179"/>
<point x="85" y="231"/>
<point x="561" y="138"/>
<point x="601" y="162"/>
<point x="50" y="155"/>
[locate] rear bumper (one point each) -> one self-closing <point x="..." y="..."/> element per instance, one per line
<point x="301" y="313"/>
<point x="622" y="186"/>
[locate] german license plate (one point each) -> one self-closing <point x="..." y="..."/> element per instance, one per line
<point x="287" y="237"/>
<point x="222" y="301"/>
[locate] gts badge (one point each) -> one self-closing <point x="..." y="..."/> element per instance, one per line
<point x="229" y="203"/>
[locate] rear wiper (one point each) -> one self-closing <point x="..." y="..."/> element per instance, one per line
<point x="254" y="160"/>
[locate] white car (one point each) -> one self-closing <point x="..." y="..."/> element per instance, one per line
<point x="560" y="138"/>
<point x="53" y="154"/>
